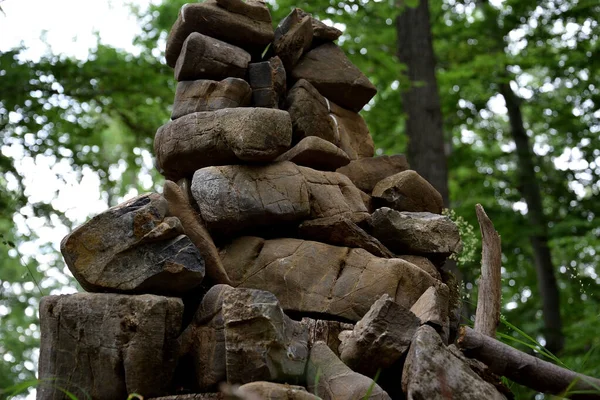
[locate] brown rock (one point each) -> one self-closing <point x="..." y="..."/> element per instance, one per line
<point x="380" y="338"/>
<point x="321" y="33"/>
<point x="342" y="231"/>
<point x="313" y="277"/>
<point x="261" y="342"/>
<point x="355" y="138"/>
<point x="407" y="191"/>
<point x="221" y="137"/>
<point x="194" y="396"/>
<point x="134" y="248"/>
<point x="316" y="153"/>
<point x="207" y="95"/>
<point x="328" y="69"/>
<point x="424" y="264"/>
<point x="365" y="173"/>
<point x="273" y="391"/>
<point x="268" y="82"/>
<point x="105" y="346"/>
<point x="293" y="37"/>
<point x="255" y="9"/>
<point x="250" y="31"/>
<point x="203" y="57"/>
<point x="329" y="378"/>
<point x="320" y="330"/>
<point x="432" y="307"/>
<point x="431" y="369"/>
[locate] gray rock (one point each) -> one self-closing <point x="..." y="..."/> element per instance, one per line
<point x="407" y="191"/>
<point x="207" y="95"/>
<point x="262" y="343"/>
<point x="327" y="331"/>
<point x="366" y="172"/>
<point x="329" y="378"/>
<point x="316" y="153"/>
<point x="419" y="233"/>
<point x="221" y="137"/>
<point x="273" y="391"/>
<point x="425" y="264"/>
<point x="432" y="307"/>
<point x="432" y="371"/>
<point x="268" y="82"/>
<point x="134" y="248"/>
<point x="105" y="346"/>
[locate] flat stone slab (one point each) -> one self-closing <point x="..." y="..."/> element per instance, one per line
<point x="105" y="346"/>
<point x="221" y="137"/>
<point x="273" y="391"/>
<point x="252" y="31"/>
<point x="208" y="95"/>
<point x="237" y="197"/>
<point x="407" y="191"/>
<point x="329" y="70"/>
<point x="366" y="172"/>
<point x="313" y="277"/>
<point x="134" y="248"/>
<point x="268" y="82"/>
<point x="316" y="153"/>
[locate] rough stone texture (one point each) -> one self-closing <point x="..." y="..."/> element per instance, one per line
<point x="105" y="346"/>
<point x="254" y="9"/>
<point x="203" y="57"/>
<point x="273" y="391"/>
<point x="207" y="95"/>
<point x="233" y="198"/>
<point x="321" y="33"/>
<point x="432" y="307"/>
<point x="313" y="277"/>
<point x="320" y="330"/>
<point x="250" y="31"/>
<point x="293" y="37"/>
<point x="221" y="137"/>
<point x="268" y="82"/>
<point x="194" y="396"/>
<point x="407" y="191"/>
<point x="431" y="371"/>
<point x="314" y="115"/>
<point x="317" y="153"/>
<point x="380" y="338"/>
<point x="365" y="173"/>
<point x="329" y="378"/>
<point x="262" y="343"/>
<point x="328" y="69"/>
<point x="424" y="264"/>
<point x="134" y="248"/>
<point x="418" y="233"/>
<point x="342" y="231"/>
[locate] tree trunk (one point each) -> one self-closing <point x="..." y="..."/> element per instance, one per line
<point x="530" y="190"/>
<point x="421" y="102"/>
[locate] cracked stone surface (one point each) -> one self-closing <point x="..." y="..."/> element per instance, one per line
<point x="366" y="172"/>
<point x="313" y="277"/>
<point x="273" y="391"/>
<point x="106" y="346"/>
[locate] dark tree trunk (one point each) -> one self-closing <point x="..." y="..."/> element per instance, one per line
<point x="426" y="152"/>
<point x="530" y="190"/>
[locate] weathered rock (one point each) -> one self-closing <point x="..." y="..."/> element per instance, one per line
<point x="234" y="198"/>
<point x="425" y="264"/>
<point x="365" y="173"/>
<point x="268" y="82"/>
<point x="407" y="191"/>
<point x="329" y="378"/>
<point x="252" y="31"/>
<point x="105" y="346"/>
<point x="321" y="33"/>
<point x="192" y="396"/>
<point x="432" y="307"/>
<point x="431" y="370"/>
<point x="328" y="69"/>
<point x="418" y="233"/>
<point x="207" y="95"/>
<point x="320" y="330"/>
<point x="316" y="153"/>
<point x="293" y="37"/>
<point x="380" y="338"/>
<point x="273" y="391"/>
<point x="262" y="343"/>
<point x="313" y="277"/>
<point x="134" y="248"/>
<point x="203" y="57"/>
<point x="342" y="231"/>
<point x="314" y="115"/>
<point x="221" y="137"/>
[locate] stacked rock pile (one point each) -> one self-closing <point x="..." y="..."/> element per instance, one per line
<point x="281" y="256"/>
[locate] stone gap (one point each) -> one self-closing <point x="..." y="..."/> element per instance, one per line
<point x="275" y="206"/>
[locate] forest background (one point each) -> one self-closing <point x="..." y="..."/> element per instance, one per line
<point x="519" y="132"/>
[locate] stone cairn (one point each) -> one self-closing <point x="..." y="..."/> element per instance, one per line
<point x="282" y="257"/>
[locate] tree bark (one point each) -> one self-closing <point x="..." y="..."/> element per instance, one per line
<point x="421" y="102"/>
<point x="530" y="191"/>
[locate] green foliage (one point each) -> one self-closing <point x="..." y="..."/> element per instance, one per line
<point x="468" y="237"/>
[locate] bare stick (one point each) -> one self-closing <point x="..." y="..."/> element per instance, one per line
<point x="487" y="315"/>
<point x="525" y="369"/>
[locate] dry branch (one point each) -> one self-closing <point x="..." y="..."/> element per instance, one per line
<point x="525" y="369"/>
<point x="487" y="315"/>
